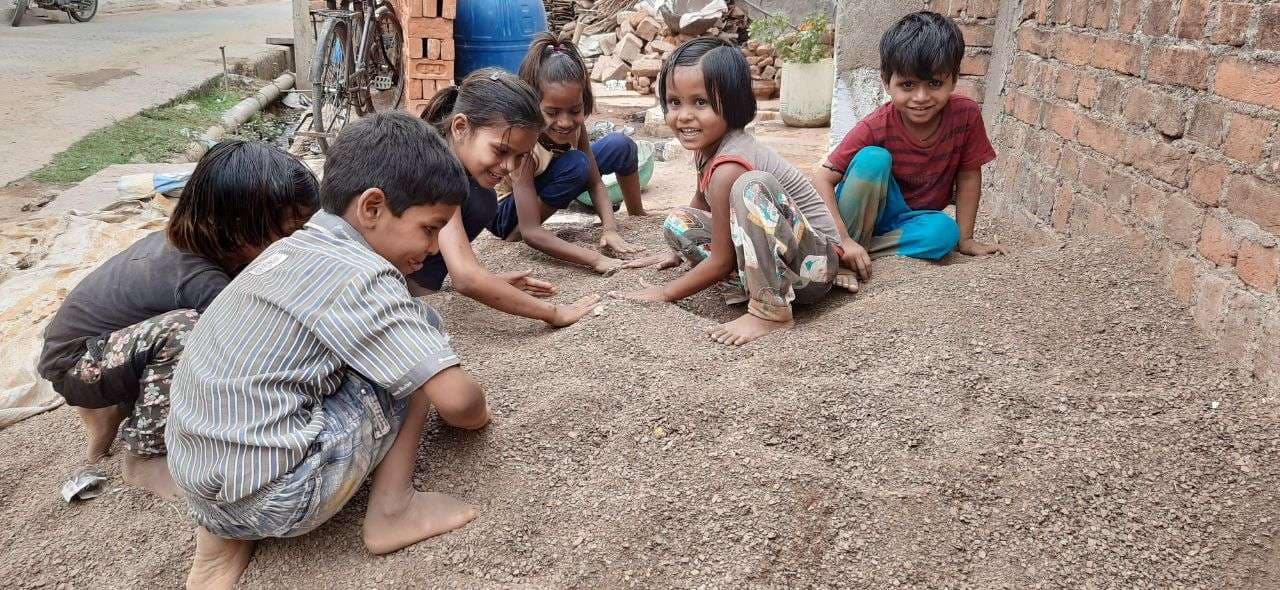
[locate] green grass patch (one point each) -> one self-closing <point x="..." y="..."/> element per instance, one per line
<point x="154" y="135"/>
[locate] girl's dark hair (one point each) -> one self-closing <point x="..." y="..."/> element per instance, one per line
<point x="725" y="73"/>
<point x="242" y="193"/>
<point x="395" y="152"/>
<point x="552" y="61"/>
<point x="489" y="97"/>
<point x="922" y="45"/>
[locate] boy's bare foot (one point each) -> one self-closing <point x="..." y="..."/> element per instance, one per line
<point x="847" y="280"/>
<point x="637" y="212"/>
<point x="218" y="562"/>
<point x="151" y="474"/>
<point x="391" y="524"/>
<point x="102" y="425"/>
<point x="745" y="329"/>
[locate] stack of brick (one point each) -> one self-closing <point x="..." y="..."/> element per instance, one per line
<point x="1158" y="121"/>
<point x="766" y="69"/>
<point x="428" y="49"/>
<point x="636" y="51"/>
<point x="977" y="20"/>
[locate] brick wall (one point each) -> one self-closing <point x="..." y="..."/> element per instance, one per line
<point x="1156" y="120"/>
<point x="977" y="20"/>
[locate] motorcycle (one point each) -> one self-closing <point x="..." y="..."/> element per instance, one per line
<point x="79" y="11"/>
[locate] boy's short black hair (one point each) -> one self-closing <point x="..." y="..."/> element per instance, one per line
<point x="725" y="73"/>
<point x="398" y="153"/>
<point x="923" y="45"/>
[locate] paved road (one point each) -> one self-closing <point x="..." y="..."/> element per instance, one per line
<point x="61" y="81"/>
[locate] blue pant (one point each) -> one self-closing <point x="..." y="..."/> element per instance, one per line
<point x="566" y="178"/>
<point x="877" y="217"/>
<point x="361" y="421"/>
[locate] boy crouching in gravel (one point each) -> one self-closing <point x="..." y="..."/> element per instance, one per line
<point x="315" y="369"/>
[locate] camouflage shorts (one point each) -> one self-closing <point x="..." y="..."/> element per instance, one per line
<point x="154" y="345"/>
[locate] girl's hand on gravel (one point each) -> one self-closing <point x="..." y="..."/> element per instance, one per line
<point x="569" y="314"/>
<point x="664" y="261"/>
<point x="612" y="240"/>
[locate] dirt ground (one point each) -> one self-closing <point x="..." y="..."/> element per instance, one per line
<point x="1046" y="419"/>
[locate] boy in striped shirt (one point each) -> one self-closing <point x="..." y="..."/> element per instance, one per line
<point x="893" y="174"/>
<point x="315" y="369"/>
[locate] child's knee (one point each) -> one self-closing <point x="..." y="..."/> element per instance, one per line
<point x="930" y="237"/>
<point x="616" y="154"/>
<point x="458" y="398"/>
<point x="871" y="162"/>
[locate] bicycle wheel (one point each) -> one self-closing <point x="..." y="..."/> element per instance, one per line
<point x="386" y="63"/>
<point x="83" y="10"/>
<point x="330" y="76"/>
<point x="19" y="9"/>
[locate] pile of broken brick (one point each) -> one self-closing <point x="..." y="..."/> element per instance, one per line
<point x="635" y="50"/>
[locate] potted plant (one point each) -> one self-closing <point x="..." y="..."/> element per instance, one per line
<point x="807" y="79"/>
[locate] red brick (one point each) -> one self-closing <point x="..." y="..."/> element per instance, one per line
<point x="1159" y="159"/>
<point x="1062" y="120"/>
<point x="974" y="65"/>
<point x="1061" y="12"/>
<point x="1233" y="23"/>
<point x="1138" y="102"/>
<point x="1032" y="39"/>
<point x="1207" y="181"/>
<point x="1065" y="84"/>
<point x="983" y="8"/>
<point x="1269" y="27"/>
<point x="1078" y="12"/>
<point x="1018" y="69"/>
<point x="1102" y="137"/>
<point x="1168" y="114"/>
<point x="1181" y="220"/>
<point x="1061" y="217"/>
<point x="1258" y="266"/>
<point x="1100" y="14"/>
<point x="1026" y="108"/>
<point x="1118" y="55"/>
<point x="1094" y="174"/>
<point x="1111" y="91"/>
<point x="971" y="88"/>
<point x="1069" y="164"/>
<point x="1246" y="138"/>
<point x="1256" y="200"/>
<point x="1191" y="19"/>
<point x="1130" y="14"/>
<point x="1208" y="124"/>
<point x="1256" y="83"/>
<point x="1147" y="201"/>
<point x="1218" y="243"/>
<point x="1074" y="48"/>
<point x="1208" y="302"/>
<point x="978" y="35"/>
<point x="1177" y="65"/>
<point x="1087" y="91"/>
<point x="1182" y="279"/>
<point x="1011" y="134"/>
<point x="1159" y="17"/>
<point x="1120" y="190"/>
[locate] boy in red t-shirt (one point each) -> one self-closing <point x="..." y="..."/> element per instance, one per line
<point x="890" y="177"/>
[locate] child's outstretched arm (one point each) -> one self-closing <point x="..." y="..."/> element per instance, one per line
<point x="529" y="214"/>
<point x="968" y="194"/>
<point x="510" y="293"/>
<point x="604" y="207"/>
<point x="722" y="260"/>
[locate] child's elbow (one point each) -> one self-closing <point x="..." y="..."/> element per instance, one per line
<point x="465" y="282"/>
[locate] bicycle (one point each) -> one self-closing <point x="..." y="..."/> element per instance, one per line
<point x="354" y="78"/>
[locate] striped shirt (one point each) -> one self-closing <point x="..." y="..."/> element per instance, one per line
<point x="246" y="398"/>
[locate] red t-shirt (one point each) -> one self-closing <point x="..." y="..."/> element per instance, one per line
<point x="925" y="171"/>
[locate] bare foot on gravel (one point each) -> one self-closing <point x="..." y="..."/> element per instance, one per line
<point x="745" y="329"/>
<point x="151" y="474"/>
<point x="218" y="562"/>
<point x="847" y="280"/>
<point x="393" y="524"/>
<point x="101" y="425"/>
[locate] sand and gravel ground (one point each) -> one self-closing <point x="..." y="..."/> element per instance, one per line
<point x="1046" y="419"/>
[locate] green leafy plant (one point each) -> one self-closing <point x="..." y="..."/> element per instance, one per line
<point x="808" y="43"/>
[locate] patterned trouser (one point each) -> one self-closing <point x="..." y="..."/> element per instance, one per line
<point x="780" y="259"/>
<point x="134" y="367"/>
